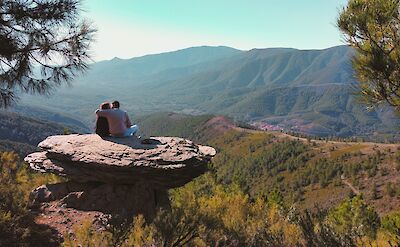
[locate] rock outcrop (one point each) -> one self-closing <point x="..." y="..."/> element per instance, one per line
<point x="113" y="176"/>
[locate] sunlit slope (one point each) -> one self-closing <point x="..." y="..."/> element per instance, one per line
<point x="307" y="172"/>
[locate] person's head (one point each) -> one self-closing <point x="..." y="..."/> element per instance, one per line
<point x="105" y="106"/>
<point x="115" y="104"/>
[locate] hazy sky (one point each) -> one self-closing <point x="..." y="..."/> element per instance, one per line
<point x="130" y="28"/>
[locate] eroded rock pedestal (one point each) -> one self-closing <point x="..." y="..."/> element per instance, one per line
<point x="112" y="176"/>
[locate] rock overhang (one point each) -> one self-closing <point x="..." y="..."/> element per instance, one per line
<point x="166" y="162"/>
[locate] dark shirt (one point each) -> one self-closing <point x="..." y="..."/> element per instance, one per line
<point x="102" y="127"/>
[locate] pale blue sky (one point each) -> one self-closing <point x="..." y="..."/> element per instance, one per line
<point x="130" y="28"/>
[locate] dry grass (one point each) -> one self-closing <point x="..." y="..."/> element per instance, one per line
<point x="324" y="197"/>
<point x="345" y="150"/>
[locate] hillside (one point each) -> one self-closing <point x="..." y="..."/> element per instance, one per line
<point x="310" y="173"/>
<point x="197" y="128"/>
<point x="171" y="124"/>
<point x="22" y="149"/>
<point x="141" y="67"/>
<point x="308" y="91"/>
<point x="307" y="172"/>
<point x="47" y="115"/>
<point x="21" y="129"/>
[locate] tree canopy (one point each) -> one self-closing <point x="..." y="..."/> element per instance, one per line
<point x="372" y="28"/>
<point x="43" y="43"/>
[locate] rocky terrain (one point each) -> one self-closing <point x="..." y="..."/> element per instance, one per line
<point x="111" y="178"/>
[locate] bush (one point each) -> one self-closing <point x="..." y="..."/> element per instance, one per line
<point x="354" y="215"/>
<point x="390" y="189"/>
<point x="17" y="227"/>
<point x="391" y="225"/>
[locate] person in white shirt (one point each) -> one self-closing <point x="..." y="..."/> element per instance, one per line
<point x="119" y="123"/>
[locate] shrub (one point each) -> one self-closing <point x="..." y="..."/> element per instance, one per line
<point x="17" y="227"/>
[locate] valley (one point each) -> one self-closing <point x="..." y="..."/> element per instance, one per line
<point x="304" y="169"/>
<point x="305" y="91"/>
<point x="263" y="172"/>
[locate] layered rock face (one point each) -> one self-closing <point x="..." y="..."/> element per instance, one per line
<point x="115" y="176"/>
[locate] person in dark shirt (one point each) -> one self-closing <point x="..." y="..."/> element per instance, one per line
<point x="102" y="126"/>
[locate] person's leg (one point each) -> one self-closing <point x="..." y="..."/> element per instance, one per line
<point x="131" y="131"/>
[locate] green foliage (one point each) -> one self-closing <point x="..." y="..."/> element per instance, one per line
<point x="316" y="232"/>
<point x="16" y="223"/>
<point x="204" y="213"/>
<point x="12" y="199"/>
<point x="66" y="131"/>
<point x="355" y="216"/>
<point x="391" y="224"/>
<point x="85" y="235"/>
<point x="371" y="27"/>
<point x="33" y="33"/>
<point x="254" y="170"/>
<point x="322" y="171"/>
<point x="260" y="162"/>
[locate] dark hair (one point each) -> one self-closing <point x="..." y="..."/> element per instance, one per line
<point x="115" y="104"/>
<point x="105" y="106"/>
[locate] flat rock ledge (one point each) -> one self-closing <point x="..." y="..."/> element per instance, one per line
<point x="111" y="177"/>
<point x="165" y="162"/>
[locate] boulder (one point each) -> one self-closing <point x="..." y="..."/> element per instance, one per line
<point x="111" y="177"/>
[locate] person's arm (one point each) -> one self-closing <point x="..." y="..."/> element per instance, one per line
<point x="128" y="121"/>
<point x="101" y="113"/>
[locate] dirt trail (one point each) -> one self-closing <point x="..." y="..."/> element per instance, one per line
<point x="355" y="191"/>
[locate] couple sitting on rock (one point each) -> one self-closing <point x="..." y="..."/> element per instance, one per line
<point x="113" y="121"/>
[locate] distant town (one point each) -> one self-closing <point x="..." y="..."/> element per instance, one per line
<point x="266" y="126"/>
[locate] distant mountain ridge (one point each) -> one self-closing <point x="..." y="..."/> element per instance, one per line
<point x="309" y="91"/>
<point x="143" y="66"/>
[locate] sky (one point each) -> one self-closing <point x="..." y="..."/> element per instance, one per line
<point x="131" y="28"/>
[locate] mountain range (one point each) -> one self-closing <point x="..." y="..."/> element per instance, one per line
<point x="309" y="91"/>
